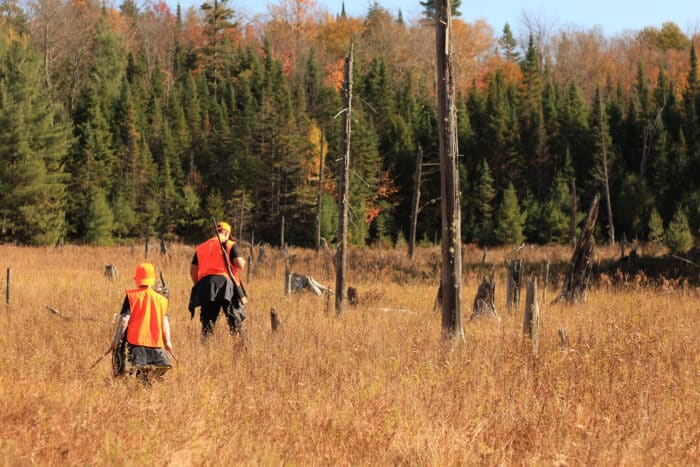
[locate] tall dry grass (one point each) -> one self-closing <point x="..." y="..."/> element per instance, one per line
<point x="373" y="386"/>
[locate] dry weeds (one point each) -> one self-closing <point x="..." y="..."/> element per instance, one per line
<point x="373" y="386"/>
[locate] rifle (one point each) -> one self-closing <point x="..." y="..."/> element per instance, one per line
<point x="237" y="283"/>
<point x="100" y="359"/>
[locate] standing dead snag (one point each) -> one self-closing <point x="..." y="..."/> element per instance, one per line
<point x="415" y="203"/>
<point x="483" y="302"/>
<point x="515" y="280"/>
<point x="451" y="276"/>
<point x="531" y="321"/>
<point x="576" y="279"/>
<point x="344" y="188"/>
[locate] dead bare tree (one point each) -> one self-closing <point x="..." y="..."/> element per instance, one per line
<point x="319" y="197"/>
<point x="415" y="203"/>
<point x="572" y="226"/>
<point x="451" y="277"/>
<point x="602" y="172"/>
<point x="343" y="189"/>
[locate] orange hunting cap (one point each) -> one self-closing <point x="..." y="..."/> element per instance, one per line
<point x="145" y="274"/>
<point x="223" y="226"/>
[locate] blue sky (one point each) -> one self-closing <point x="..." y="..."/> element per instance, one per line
<point x="614" y="16"/>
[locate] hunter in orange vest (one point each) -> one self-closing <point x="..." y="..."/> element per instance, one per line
<point x="213" y="289"/>
<point x="143" y="330"/>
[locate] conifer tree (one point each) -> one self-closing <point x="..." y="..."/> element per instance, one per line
<point x="429" y="8"/>
<point x="679" y="238"/>
<point x="99" y="221"/>
<point x="508" y="45"/>
<point x="484" y="194"/>
<point x="656" y="227"/>
<point x="509" y="220"/>
<point x="34" y="140"/>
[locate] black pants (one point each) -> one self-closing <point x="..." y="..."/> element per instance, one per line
<point x="209" y="313"/>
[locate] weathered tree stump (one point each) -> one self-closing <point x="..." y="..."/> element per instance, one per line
<point x="275" y="321"/>
<point x="563" y="338"/>
<point x="484" y="300"/>
<point x="514" y="284"/>
<point x="111" y="272"/>
<point x="8" y="286"/>
<point x="531" y="320"/>
<point x="576" y="279"/>
<point x="353" y="299"/>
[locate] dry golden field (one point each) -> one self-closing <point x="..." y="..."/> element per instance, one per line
<point x="373" y="386"/>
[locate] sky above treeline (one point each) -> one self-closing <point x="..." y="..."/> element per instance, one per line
<point x="613" y="16"/>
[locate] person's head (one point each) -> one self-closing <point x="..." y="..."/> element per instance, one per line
<point x="145" y="274"/>
<point x="223" y="231"/>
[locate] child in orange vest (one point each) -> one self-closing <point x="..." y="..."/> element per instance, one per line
<point x="144" y="323"/>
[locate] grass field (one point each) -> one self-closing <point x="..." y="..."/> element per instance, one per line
<point x="373" y="386"/>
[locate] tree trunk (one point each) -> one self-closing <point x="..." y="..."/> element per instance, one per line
<point x="240" y="218"/>
<point x="484" y="300"/>
<point x="576" y="280"/>
<point x="531" y="320"/>
<point x="608" y="201"/>
<point x="451" y="276"/>
<point x="341" y="254"/>
<point x="514" y="284"/>
<point x="415" y="204"/>
<point x="606" y="177"/>
<point x="572" y="225"/>
<point x="282" y="242"/>
<point x="319" y="196"/>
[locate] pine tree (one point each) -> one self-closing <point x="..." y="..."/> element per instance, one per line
<point x="508" y="45"/>
<point x="100" y="220"/>
<point x="656" y="227"/>
<point x="218" y="19"/>
<point x="484" y="194"/>
<point x="509" y="220"/>
<point x="34" y="140"/>
<point x="679" y="239"/>
<point x="429" y="8"/>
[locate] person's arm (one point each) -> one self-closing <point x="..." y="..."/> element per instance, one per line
<point x="236" y="258"/>
<point x="194" y="269"/>
<point x="166" y="334"/>
<point x="122" y="324"/>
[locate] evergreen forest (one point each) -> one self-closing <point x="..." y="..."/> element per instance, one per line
<point x="129" y="120"/>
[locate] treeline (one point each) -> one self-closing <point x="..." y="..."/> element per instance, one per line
<point x="120" y="123"/>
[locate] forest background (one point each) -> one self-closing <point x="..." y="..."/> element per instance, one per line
<point x="131" y="120"/>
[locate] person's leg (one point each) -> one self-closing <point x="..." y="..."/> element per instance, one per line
<point x="235" y="317"/>
<point x="208" y="315"/>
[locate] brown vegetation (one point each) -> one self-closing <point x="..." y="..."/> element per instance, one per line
<point x="373" y="386"/>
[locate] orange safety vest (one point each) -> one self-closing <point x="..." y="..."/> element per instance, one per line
<point x="148" y="309"/>
<point x="211" y="261"/>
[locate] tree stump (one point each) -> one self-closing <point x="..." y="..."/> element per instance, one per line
<point x="275" y="321"/>
<point x="531" y="320"/>
<point x="563" y="338"/>
<point x="484" y="300"/>
<point x="352" y="296"/>
<point x="514" y="284"/>
<point x="111" y="272"/>
<point x="576" y="279"/>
